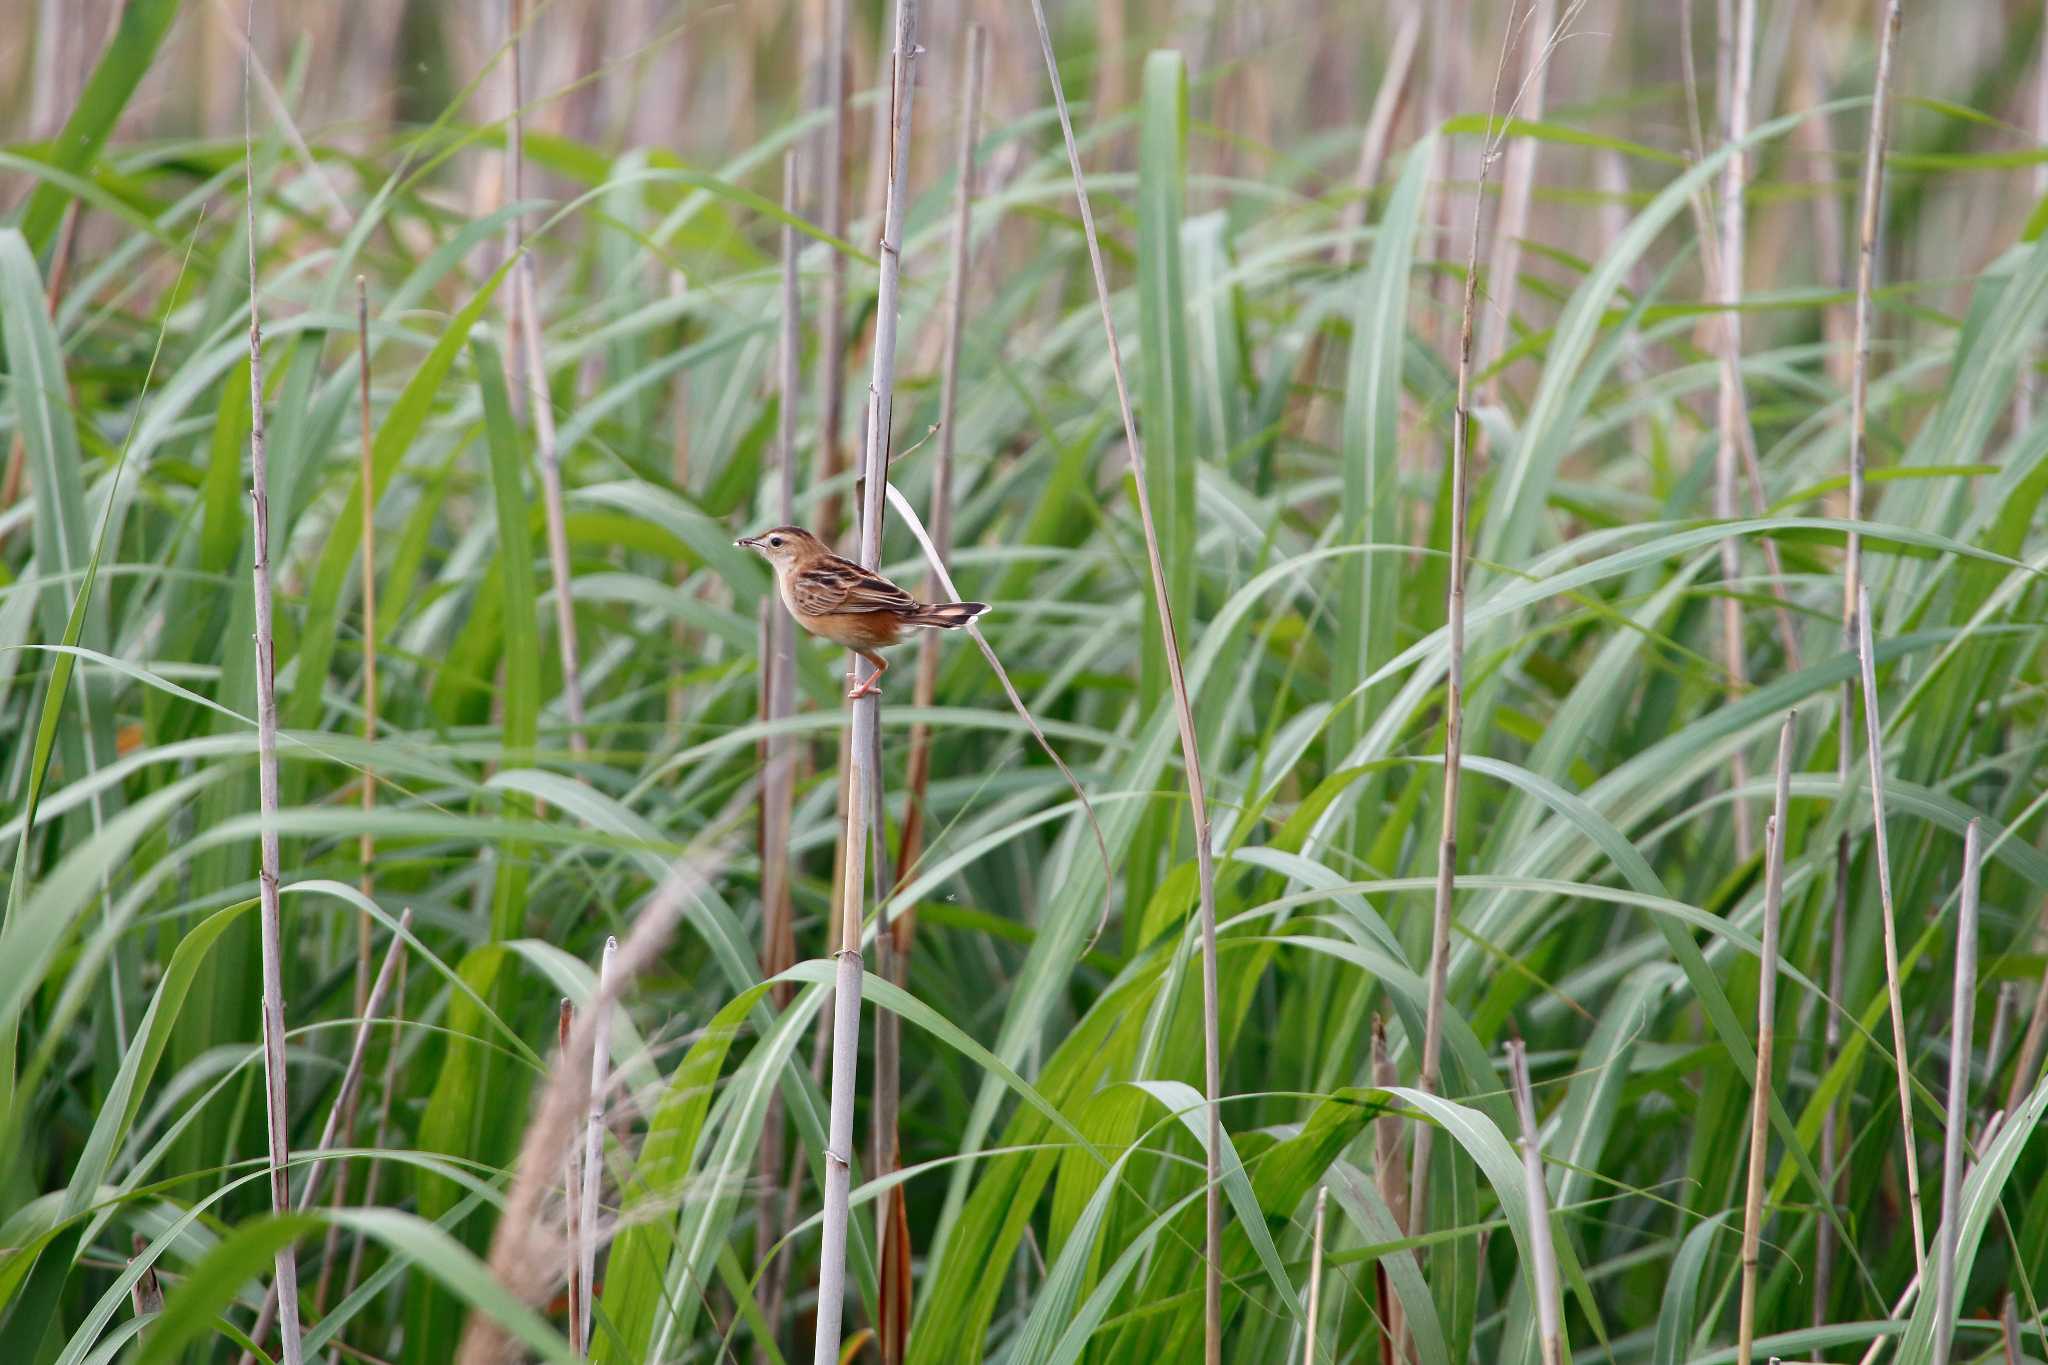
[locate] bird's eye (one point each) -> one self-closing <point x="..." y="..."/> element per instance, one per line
<point x="775" y="541"/>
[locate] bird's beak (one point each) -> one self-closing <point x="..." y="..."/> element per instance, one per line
<point x="746" y="542"/>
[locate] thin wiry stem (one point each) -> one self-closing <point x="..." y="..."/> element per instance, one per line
<point x="778" y="774"/>
<point x="1766" y="1040"/>
<point x="527" y="325"/>
<point x="1518" y="181"/>
<point x="1543" y="1251"/>
<point x="341" y="1114"/>
<point x="867" y="716"/>
<point x="1184" y="714"/>
<point x="381" y="1139"/>
<point x="1315" y="1280"/>
<point x="593" y="1142"/>
<point x="1431" y="1077"/>
<point x="277" y="1103"/>
<point x="1880" y="850"/>
<point x="1961" y="1010"/>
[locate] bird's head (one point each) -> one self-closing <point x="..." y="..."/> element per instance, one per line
<point x="783" y="545"/>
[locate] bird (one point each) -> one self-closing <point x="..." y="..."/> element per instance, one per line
<point x="836" y="599"/>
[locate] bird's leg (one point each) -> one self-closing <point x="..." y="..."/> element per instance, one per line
<point x="874" y="683"/>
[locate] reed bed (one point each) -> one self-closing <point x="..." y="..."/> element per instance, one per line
<point x="1413" y="500"/>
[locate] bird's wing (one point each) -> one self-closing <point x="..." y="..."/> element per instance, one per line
<point x="833" y="585"/>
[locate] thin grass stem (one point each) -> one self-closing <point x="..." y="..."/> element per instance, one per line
<point x="276" y="1101"/>
<point x="1766" y="1041"/>
<point x="1212" y="1073"/>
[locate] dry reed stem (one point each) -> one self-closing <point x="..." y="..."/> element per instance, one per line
<point x="1852" y="582"/>
<point x="524" y="1255"/>
<point x="1745" y="431"/>
<point x="865" y="747"/>
<point x="1184" y="715"/>
<point x="1431" y="1077"/>
<point x="778" y="775"/>
<point x="1543" y="1248"/>
<point x="2005" y="1004"/>
<point x="1379" y="131"/>
<point x="1766" y="1040"/>
<point x="2027" y="1068"/>
<point x="1958" y="1098"/>
<point x="975" y="46"/>
<point x="382" y="1138"/>
<point x="831" y="322"/>
<point x="1912" y="1289"/>
<point x="1873" y="740"/>
<point x="146" y="1295"/>
<point x="1738" y="51"/>
<point x="276" y="1102"/>
<point x="341" y="1115"/>
<point x="1315" y="1279"/>
<point x="593" y="1143"/>
<point x="526" y="325"/>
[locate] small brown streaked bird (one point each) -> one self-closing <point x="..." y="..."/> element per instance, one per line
<point x="836" y="599"/>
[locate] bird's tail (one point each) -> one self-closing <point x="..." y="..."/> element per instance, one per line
<point x="946" y="615"/>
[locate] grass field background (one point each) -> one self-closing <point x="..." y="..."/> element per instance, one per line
<point x="1637" y="630"/>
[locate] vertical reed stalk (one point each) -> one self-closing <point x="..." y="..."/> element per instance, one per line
<point x="1543" y="1247"/>
<point x="1873" y="740"/>
<point x="867" y="717"/>
<point x="1379" y="130"/>
<point x="1315" y="1279"/>
<point x="1830" y="1129"/>
<point x="341" y="1116"/>
<point x="1739" y="68"/>
<point x="1958" y="1098"/>
<point x="527" y="325"/>
<point x="2028" y="1065"/>
<point x="366" y="844"/>
<point x="1766" y="1041"/>
<point x="277" y="1104"/>
<point x="1855" y="628"/>
<point x="565" y="1026"/>
<point x="831" y="319"/>
<point x="1431" y="1076"/>
<point x="778" y="775"/>
<point x="975" y="56"/>
<point x="1391" y="1176"/>
<point x="593" y="1140"/>
<point x="1184" y="715"/>
<point x="382" y="1137"/>
<point x="2005" y="1004"/>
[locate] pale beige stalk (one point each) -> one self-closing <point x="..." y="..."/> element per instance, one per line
<point x="276" y="1101"/>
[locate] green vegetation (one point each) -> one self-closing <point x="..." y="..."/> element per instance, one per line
<point x="1292" y="346"/>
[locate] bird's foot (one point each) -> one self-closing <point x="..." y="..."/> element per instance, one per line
<point x="871" y="688"/>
